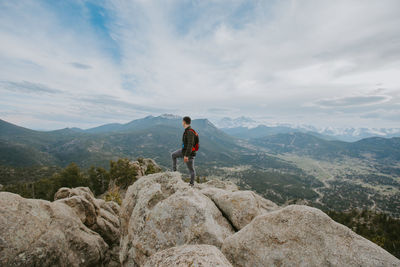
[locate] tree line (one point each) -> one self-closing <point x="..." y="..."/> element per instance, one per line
<point x="378" y="227"/>
<point x="121" y="173"/>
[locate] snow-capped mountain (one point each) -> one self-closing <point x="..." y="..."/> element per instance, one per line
<point x="242" y="121"/>
<point x="353" y="134"/>
<point x="170" y="116"/>
<point x="236" y="125"/>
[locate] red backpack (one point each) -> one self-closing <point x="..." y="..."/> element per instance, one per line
<point x="196" y="140"/>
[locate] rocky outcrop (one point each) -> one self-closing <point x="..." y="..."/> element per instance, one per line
<point x="97" y="214"/>
<point x="189" y="255"/>
<point x="164" y="222"/>
<point x="299" y="235"/>
<point x="161" y="216"/>
<point x="239" y="207"/>
<point x="42" y="233"/>
<point x="161" y="211"/>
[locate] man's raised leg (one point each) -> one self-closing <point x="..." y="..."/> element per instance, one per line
<point x="174" y="155"/>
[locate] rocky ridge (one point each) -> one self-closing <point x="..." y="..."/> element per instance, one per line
<point x="164" y="222"/>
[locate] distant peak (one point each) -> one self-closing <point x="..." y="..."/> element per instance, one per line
<point x="169" y="116"/>
<point x="242" y="121"/>
<point x="205" y="122"/>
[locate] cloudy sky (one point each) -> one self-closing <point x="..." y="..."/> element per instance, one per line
<point x="84" y="63"/>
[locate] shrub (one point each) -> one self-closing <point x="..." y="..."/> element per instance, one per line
<point x="113" y="195"/>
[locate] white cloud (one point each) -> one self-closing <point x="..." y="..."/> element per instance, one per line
<point x="285" y="59"/>
<point x="352" y="101"/>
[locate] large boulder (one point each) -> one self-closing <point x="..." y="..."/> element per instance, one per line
<point x="189" y="255"/>
<point x="81" y="200"/>
<point x="239" y="207"/>
<point x="161" y="211"/>
<point x="299" y="235"/>
<point x="97" y="214"/>
<point x="42" y="233"/>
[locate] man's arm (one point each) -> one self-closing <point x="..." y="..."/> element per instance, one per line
<point x="190" y="143"/>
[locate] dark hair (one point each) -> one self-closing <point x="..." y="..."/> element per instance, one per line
<point x="187" y="119"/>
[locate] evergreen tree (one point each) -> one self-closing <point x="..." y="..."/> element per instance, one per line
<point x="98" y="179"/>
<point x="71" y="176"/>
<point x="122" y="172"/>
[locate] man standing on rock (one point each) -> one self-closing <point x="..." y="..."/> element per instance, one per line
<point x="188" y="150"/>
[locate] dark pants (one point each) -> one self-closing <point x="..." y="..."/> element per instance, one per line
<point x="190" y="164"/>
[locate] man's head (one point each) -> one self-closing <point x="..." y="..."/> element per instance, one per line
<point x="186" y="121"/>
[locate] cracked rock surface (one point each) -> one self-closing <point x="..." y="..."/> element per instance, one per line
<point x="41" y="233"/>
<point x="161" y="211"/>
<point x="189" y="255"/>
<point x="299" y="235"/>
<point x="97" y="214"/>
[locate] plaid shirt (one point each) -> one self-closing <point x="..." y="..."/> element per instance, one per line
<point x="188" y="143"/>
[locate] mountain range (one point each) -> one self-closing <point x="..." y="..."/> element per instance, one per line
<point x="246" y="127"/>
<point x="280" y="163"/>
<point x="149" y="136"/>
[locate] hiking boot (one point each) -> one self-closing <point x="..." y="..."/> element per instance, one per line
<point x="191" y="185"/>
